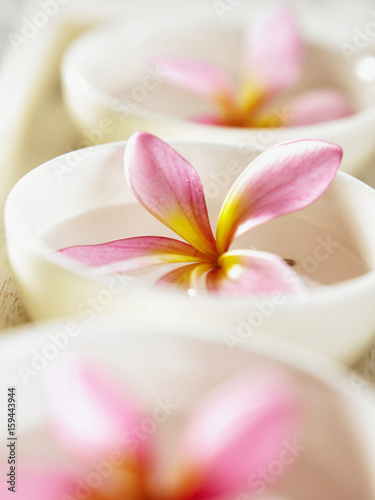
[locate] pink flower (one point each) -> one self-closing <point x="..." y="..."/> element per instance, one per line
<point x="233" y="432"/>
<point x="283" y="179"/>
<point x="272" y="63"/>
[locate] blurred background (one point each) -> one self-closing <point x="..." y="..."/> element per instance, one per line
<point x="35" y="33"/>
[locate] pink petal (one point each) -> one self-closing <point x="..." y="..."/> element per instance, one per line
<point x="38" y="485"/>
<point x="252" y="272"/>
<point x="187" y="277"/>
<point x="170" y="189"/>
<point x="274" y="51"/>
<point x="90" y="413"/>
<point x="198" y="77"/>
<point x="235" y="432"/>
<point x="208" y="120"/>
<point x="133" y="253"/>
<point x="319" y="106"/>
<point x="285" y="178"/>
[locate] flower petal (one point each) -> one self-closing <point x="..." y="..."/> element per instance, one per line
<point x="133" y="253"/>
<point x="90" y="414"/>
<point x="187" y="277"/>
<point x="318" y="106"/>
<point x="235" y="432"/>
<point x="198" y="77"/>
<point x="169" y="188"/>
<point x="37" y="485"/>
<point x="252" y="272"/>
<point x="285" y="178"/>
<point x="274" y="53"/>
<point x="208" y="120"/>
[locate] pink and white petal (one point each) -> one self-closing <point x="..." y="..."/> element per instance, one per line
<point x="283" y="179"/>
<point x="251" y="272"/>
<point x="132" y="253"/>
<point x="91" y="414"/>
<point x="188" y="278"/>
<point x="319" y="106"/>
<point x="41" y="484"/>
<point x="201" y="78"/>
<point x="169" y="188"/>
<point x="273" y="52"/>
<point x="234" y="432"/>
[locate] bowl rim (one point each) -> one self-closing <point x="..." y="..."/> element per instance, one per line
<point x="324" y="295"/>
<point x="108" y="30"/>
<point x="330" y="372"/>
<point x="327" y="370"/>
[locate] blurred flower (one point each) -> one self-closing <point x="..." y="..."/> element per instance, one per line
<point x="283" y="179"/>
<point x="271" y="65"/>
<point x="233" y="432"/>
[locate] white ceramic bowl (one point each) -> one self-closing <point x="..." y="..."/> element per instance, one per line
<point x="83" y="198"/>
<point x="333" y="455"/>
<point x="111" y="91"/>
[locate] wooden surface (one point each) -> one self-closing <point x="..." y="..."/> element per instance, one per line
<point x="12" y="311"/>
<point x="41" y="129"/>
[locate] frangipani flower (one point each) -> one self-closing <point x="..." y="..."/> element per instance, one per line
<point x="233" y="432"/>
<point x="283" y="179"/>
<point x="272" y="63"/>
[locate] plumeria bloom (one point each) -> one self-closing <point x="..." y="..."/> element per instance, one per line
<point x="272" y="63"/>
<point x="283" y="179"/>
<point x="230" y="434"/>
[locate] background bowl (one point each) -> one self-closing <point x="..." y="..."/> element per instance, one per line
<point x="83" y="198"/>
<point x="111" y="89"/>
<point x="334" y="454"/>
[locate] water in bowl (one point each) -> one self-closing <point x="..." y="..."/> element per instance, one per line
<point x="320" y="257"/>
